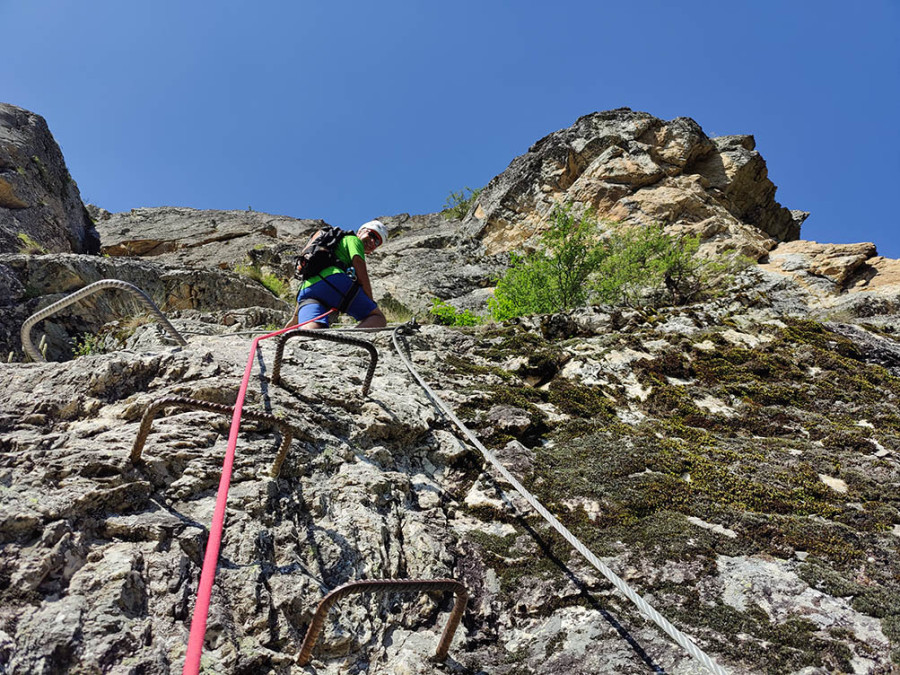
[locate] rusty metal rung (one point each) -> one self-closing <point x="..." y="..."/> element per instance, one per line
<point x="287" y="432"/>
<point x="388" y="586"/>
<point x="330" y="337"/>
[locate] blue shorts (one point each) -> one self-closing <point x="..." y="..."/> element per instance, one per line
<point x="330" y="292"/>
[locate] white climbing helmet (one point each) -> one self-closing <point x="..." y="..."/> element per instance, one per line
<point x="375" y="226"/>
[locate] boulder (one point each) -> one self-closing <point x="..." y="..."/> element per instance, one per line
<point x="825" y="267"/>
<point x="40" y="206"/>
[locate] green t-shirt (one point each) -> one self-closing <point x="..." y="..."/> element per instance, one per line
<point x="348" y="248"/>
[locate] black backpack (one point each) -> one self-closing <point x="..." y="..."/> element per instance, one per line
<point x="319" y="253"/>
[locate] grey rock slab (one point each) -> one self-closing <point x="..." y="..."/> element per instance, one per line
<point x="48" y="637"/>
<point x="198" y="238"/>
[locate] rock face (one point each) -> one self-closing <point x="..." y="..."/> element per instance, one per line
<point x="634" y="168"/>
<point x="189" y="237"/>
<point x="736" y="462"/>
<point x="39" y="202"/>
<point x="425" y="257"/>
<point x="736" y="467"/>
<point x="429" y="257"/>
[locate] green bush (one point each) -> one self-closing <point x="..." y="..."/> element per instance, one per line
<point x="572" y="252"/>
<point x="553" y="278"/>
<point x="637" y="265"/>
<point x="647" y="266"/>
<point x="88" y="344"/>
<point x="524" y="289"/>
<point x="457" y="204"/>
<point x="448" y="315"/>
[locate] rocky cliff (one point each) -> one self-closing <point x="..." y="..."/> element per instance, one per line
<point x="40" y="206"/>
<point x="634" y="168"/>
<point x="736" y="461"/>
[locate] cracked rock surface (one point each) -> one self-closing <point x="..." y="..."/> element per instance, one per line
<point x="765" y="526"/>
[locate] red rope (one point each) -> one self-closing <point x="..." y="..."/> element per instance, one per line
<point x="210" y="560"/>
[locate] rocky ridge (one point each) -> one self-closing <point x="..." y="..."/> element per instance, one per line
<point x="735" y="461"/>
<point x="636" y="169"/>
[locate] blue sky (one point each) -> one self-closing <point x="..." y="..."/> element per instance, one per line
<point x="349" y="110"/>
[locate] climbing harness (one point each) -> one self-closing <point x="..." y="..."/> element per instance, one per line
<point x="325" y="335"/>
<point x="349" y="296"/>
<point x="84" y="292"/>
<point x="679" y="637"/>
<point x="153" y="409"/>
<point x="388" y="586"/>
<point x="346" y="298"/>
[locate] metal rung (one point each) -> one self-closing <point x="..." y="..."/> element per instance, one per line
<point x="388" y="586"/>
<point x="330" y="337"/>
<point x="287" y="431"/>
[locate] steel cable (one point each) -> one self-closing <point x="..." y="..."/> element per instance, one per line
<point x="643" y="606"/>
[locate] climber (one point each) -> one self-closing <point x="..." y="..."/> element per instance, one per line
<point x="344" y="286"/>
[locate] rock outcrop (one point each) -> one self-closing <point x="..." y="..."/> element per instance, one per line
<point x="835" y="269"/>
<point x="40" y="206"/>
<point x="634" y="168"/>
